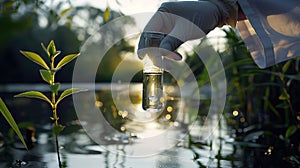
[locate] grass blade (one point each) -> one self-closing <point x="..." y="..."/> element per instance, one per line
<point x="7" y="115"/>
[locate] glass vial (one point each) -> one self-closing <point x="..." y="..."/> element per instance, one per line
<point x="152" y="75"/>
<point x="152" y="87"/>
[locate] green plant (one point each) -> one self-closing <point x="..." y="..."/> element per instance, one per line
<point x="261" y="105"/>
<point x="48" y="75"/>
<point x="263" y="102"/>
<point x="9" y="118"/>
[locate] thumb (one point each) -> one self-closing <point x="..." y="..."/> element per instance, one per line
<point x="170" y="44"/>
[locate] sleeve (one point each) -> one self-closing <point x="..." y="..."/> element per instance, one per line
<point x="271" y="31"/>
<point x="229" y="9"/>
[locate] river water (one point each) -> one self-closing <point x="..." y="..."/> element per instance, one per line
<point x="123" y="136"/>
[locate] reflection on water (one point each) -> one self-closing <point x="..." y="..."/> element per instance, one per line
<point x="174" y="137"/>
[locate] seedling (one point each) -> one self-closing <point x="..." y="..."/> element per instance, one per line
<point x="48" y="75"/>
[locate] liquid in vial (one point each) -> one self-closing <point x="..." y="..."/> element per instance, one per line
<point x="152" y="91"/>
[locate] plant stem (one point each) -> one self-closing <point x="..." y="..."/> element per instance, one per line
<point x="56" y="125"/>
<point x="288" y="99"/>
<point x="57" y="151"/>
<point x="56" y="134"/>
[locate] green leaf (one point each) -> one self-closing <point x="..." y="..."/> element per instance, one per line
<point x="55" y="87"/>
<point x="45" y="49"/>
<point x="286" y="66"/>
<point x="56" y="54"/>
<point x="294" y="159"/>
<point x="69" y="18"/>
<point x="245" y="61"/>
<point x="284" y="96"/>
<point x="7" y="115"/>
<point x="272" y="108"/>
<point x="65" y="11"/>
<point x="253" y="135"/>
<point x="68" y="24"/>
<point x="290" y="131"/>
<point x="66" y="60"/>
<point x="34" y="94"/>
<point x="51" y="48"/>
<point x="21" y="125"/>
<point x="282" y="105"/>
<point x="35" y="58"/>
<point x="69" y="92"/>
<point x="57" y="129"/>
<point x="106" y="14"/>
<point x="46" y="75"/>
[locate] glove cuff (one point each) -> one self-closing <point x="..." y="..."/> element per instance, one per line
<point x="229" y="10"/>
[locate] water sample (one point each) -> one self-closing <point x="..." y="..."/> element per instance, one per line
<point x="152" y="73"/>
<point x="153" y="91"/>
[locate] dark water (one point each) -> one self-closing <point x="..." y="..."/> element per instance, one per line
<point x="190" y="141"/>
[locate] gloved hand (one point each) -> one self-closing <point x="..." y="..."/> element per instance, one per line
<point x="178" y="22"/>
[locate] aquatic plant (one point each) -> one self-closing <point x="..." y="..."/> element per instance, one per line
<point x="261" y="105"/>
<point x="262" y="102"/>
<point x="48" y="75"/>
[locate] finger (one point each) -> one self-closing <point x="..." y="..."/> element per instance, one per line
<point x="170" y="44"/>
<point x="203" y="14"/>
<point x="164" y="63"/>
<point x="140" y="52"/>
<point x="152" y="49"/>
<point x="160" y="23"/>
<point x="174" y="56"/>
<point x="169" y="65"/>
<point x="148" y="40"/>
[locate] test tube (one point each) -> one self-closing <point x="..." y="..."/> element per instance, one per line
<point x="152" y="74"/>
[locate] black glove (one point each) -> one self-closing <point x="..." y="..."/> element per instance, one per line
<point x="177" y="22"/>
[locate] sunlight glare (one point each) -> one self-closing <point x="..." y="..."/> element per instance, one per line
<point x="235" y="113"/>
